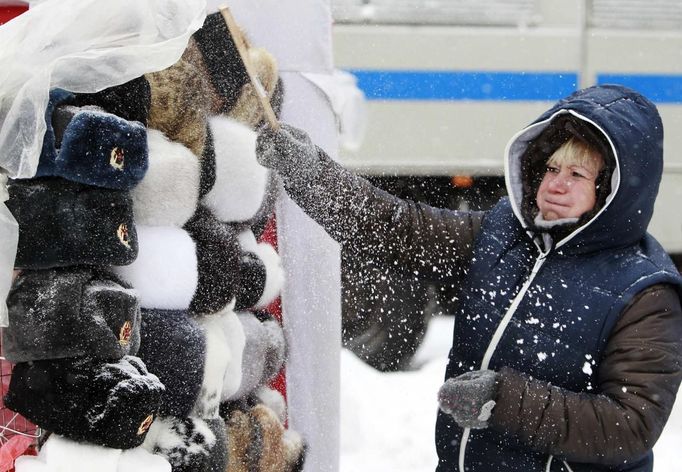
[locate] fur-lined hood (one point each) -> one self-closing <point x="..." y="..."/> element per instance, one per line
<point x="632" y="134"/>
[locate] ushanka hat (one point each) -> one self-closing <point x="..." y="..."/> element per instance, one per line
<point x="71" y="312"/>
<point x="63" y="223"/>
<point x="90" y="146"/>
<point x="173" y="347"/>
<point x="111" y="404"/>
<point x="218" y="261"/>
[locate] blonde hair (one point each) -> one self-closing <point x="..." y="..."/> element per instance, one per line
<point x="577" y="152"/>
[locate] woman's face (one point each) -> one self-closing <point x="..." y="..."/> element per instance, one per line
<point x="568" y="190"/>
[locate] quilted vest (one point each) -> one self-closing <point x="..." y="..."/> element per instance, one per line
<point x="548" y="315"/>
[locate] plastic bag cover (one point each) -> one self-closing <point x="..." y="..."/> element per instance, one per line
<point x="81" y="46"/>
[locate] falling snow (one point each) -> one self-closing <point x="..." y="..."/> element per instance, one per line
<point x="587" y="368"/>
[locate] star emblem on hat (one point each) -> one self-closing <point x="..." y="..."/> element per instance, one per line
<point x="117" y="159"/>
<point x="144" y="426"/>
<point x="125" y="333"/>
<point x="122" y="233"/>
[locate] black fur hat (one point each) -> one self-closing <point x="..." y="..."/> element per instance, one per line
<point x="63" y="223"/>
<point x="173" y="348"/>
<point x="218" y="256"/>
<point x="108" y="404"/>
<point x="70" y="312"/>
<point x="221" y="60"/>
<point x="130" y="101"/>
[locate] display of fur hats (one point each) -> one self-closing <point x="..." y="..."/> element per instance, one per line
<point x="133" y="323"/>
<point x="74" y="327"/>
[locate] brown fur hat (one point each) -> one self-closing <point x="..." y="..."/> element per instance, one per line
<point x="180" y="105"/>
<point x="257" y="440"/>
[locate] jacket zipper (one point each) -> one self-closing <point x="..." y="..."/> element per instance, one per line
<point x="485" y="363"/>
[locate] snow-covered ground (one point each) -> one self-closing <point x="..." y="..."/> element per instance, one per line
<point x="387" y="420"/>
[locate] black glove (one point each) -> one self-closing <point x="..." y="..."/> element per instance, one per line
<point x="288" y="150"/>
<point x="469" y="398"/>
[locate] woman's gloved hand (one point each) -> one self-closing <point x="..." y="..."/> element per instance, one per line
<point x="288" y="150"/>
<point x="469" y="398"/>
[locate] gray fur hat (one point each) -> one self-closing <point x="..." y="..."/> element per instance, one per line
<point x="71" y="312"/>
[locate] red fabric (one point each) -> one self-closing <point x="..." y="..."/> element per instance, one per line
<point x="15" y="447"/>
<point x="270" y="232"/>
<point x="7" y="13"/>
<point x="275" y="308"/>
<point x="17" y="444"/>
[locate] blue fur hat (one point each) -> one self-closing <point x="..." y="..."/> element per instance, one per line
<point x="92" y="147"/>
<point x="63" y="223"/>
<point x="89" y="313"/>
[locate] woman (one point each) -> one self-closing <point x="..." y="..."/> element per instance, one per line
<point x="568" y="337"/>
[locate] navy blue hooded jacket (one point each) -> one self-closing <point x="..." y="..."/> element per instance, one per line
<point x="547" y="308"/>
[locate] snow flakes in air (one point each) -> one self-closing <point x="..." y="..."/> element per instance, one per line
<point x="532" y="320"/>
<point x="587" y="367"/>
<point x="542" y="356"/>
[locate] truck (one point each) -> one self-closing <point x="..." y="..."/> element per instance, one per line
<point x="448" y="82"/>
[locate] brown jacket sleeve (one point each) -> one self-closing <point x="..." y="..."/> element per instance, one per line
<point x="638" y="379"/>
<point x="428" y="243"/>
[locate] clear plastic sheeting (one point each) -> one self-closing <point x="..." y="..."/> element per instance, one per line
<point x="9" y="235"/>
<point x="81" y="46"/>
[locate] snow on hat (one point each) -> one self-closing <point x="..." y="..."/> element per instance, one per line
<point x="92" y="147"/>
<point x="173" y="347"/>
<point x="71" y="312"/>
<point x="169" y="193"/>
<point x="179" y="105"/>
<point x="190" y="444"/>
<point x="218" y="262"/>
<point x="63" y="223"/>
<point x="221" y="60"/>
<point x="109" y="404"/>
